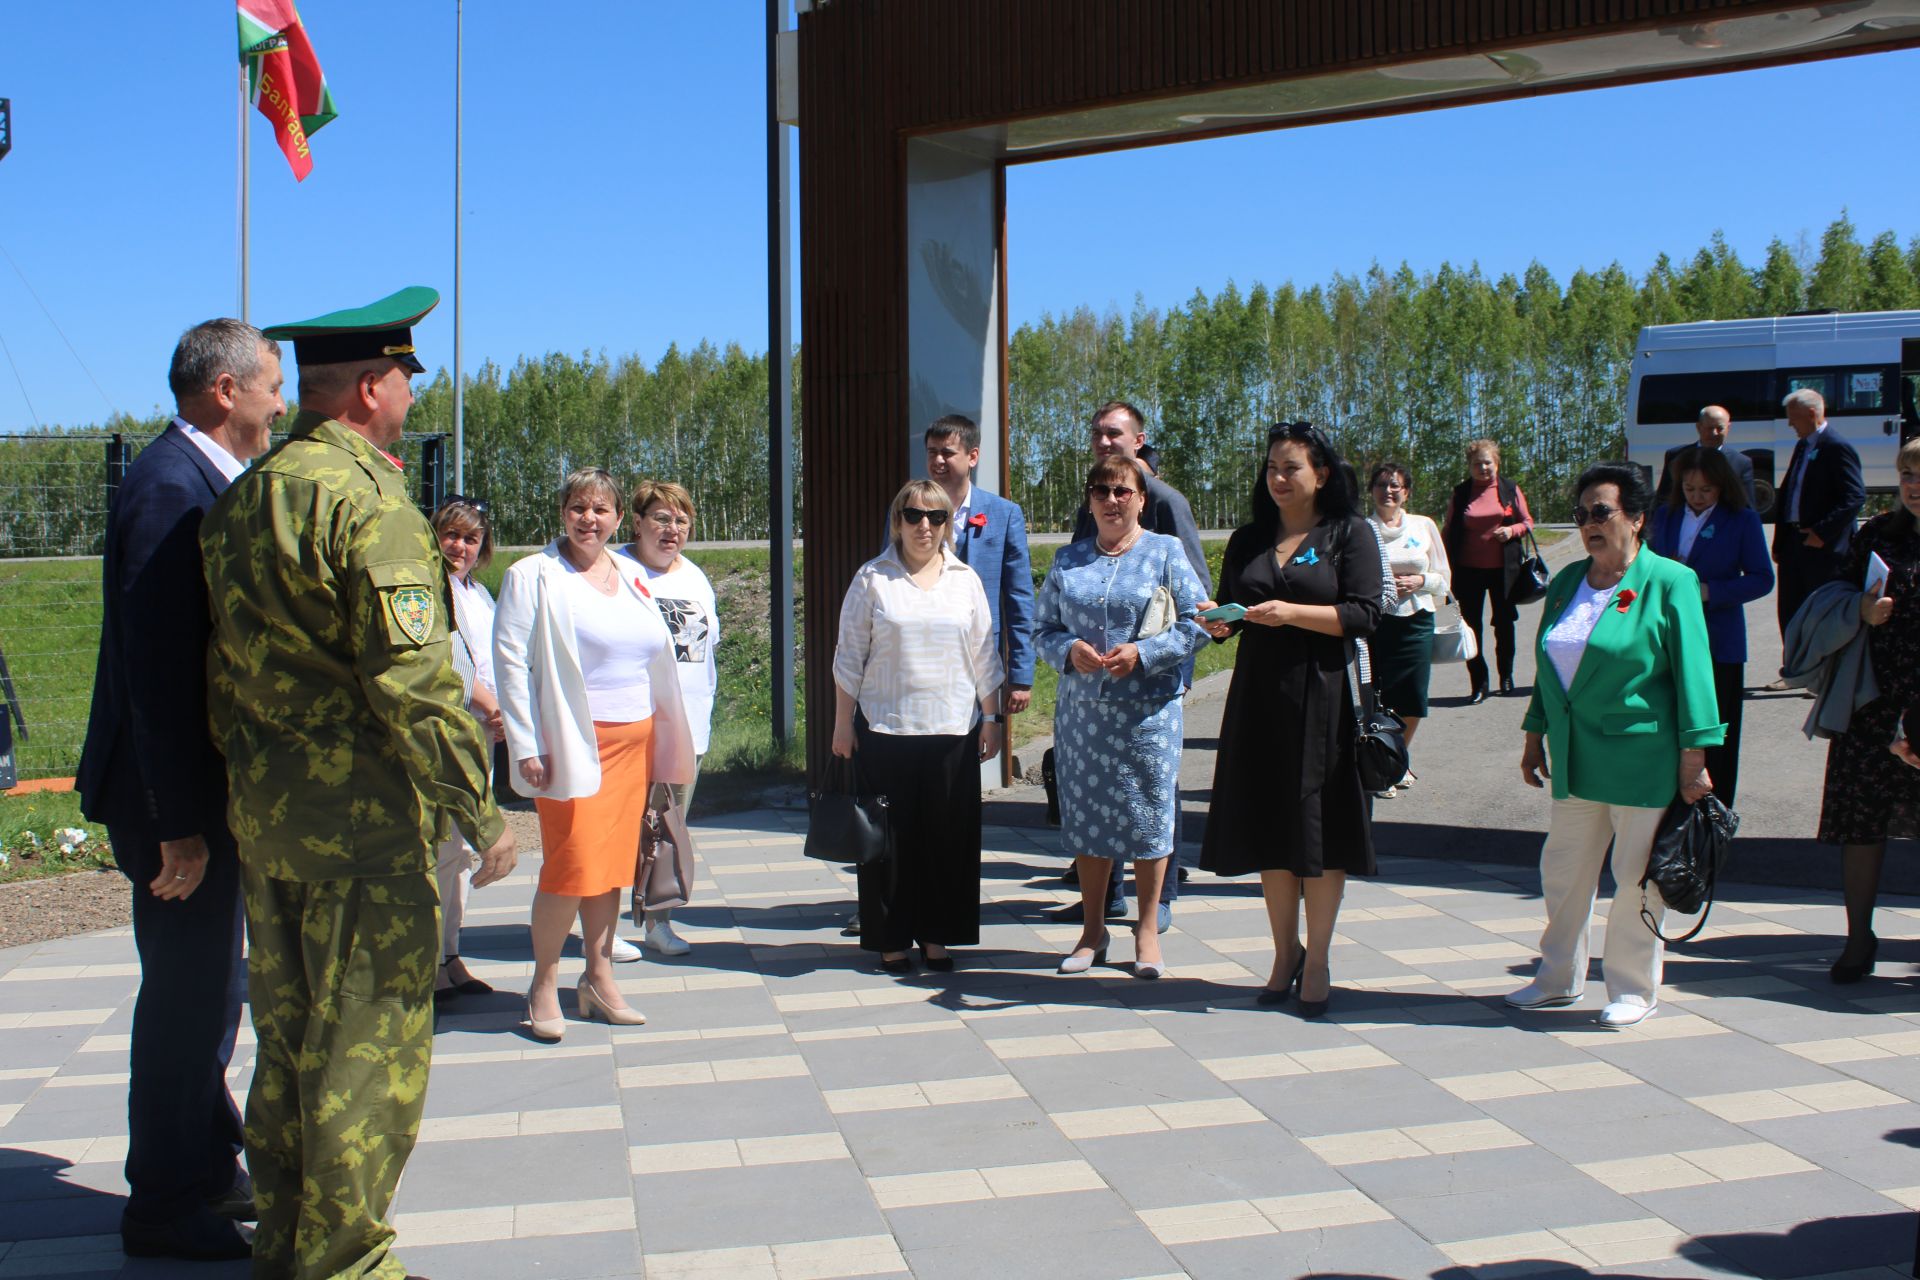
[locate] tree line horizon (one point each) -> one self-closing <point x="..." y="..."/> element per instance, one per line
<point x="1394" y="364"/>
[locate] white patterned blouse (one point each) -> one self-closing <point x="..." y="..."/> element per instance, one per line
<point x="919" y="661"/>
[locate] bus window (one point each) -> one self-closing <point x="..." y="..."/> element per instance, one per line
<point x="1747" y="394"/>
<point x="1850" y="390"/>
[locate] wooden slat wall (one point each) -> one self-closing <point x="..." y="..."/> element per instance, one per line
<point x="873" y="71"/>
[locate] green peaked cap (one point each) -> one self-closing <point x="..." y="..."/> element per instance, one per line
<point x="383" y="328"/>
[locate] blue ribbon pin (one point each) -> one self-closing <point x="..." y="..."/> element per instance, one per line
<point x="1707" y="532"/>
<point x="1310" y="556"/>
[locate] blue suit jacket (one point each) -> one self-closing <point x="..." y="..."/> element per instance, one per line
<point x="997" y="551"/>
<point x="149" y="758"/>
<point x="1730" y="558"/>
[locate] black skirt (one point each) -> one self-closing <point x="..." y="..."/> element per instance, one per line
<point x="1402" y="651"/>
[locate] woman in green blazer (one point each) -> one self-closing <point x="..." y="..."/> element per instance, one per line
<point x="1623" y="708"/>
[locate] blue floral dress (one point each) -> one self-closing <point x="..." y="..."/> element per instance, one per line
<point x="1117" y="742"/>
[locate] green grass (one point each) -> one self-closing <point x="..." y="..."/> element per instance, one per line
<point x="29" y="847"/>
<point x="50" y="634"/>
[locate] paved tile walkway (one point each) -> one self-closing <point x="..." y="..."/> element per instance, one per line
<point x="791" y="1112"/>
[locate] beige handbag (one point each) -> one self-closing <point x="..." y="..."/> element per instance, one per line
<point x="1160" y="614"/>
<point x="663" y="865"/>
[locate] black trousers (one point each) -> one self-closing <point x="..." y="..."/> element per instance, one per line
<point x="183" y="1130"/>
<point x="1803" y="570"/>
<point x="1723" y="762"/>
<point x="1474" y="588"/>
<point x="931" y="893"/>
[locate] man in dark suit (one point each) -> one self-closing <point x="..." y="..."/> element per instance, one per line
<point x="151" y="773"/>
<point x="1713" y="424"/>
<point x="990" y="535"/>
<point x="1819" y="501"/>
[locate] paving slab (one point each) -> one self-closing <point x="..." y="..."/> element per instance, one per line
<point x="791" y="1110"/>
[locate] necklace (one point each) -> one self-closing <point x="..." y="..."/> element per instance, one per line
<point x="1125" y="544"/>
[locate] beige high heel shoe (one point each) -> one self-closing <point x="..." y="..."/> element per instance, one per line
<point x="591" y="1006"/>
<point x="546" y="1030"/>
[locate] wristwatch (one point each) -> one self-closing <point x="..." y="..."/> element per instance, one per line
<point x="995" y="718"/>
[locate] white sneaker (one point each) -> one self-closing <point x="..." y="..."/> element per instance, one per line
<point x="1625" y="1013"/>
<point x="1388" y="794"/>
<point x="1407" y="781"/>
<point x="624" y="952"/>
<point x="1535" y="996"/>
<point x="662" y="938"/>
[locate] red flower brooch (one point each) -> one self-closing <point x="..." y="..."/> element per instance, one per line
<point x="978" y="519"/>
<point x="1624" y="600"/>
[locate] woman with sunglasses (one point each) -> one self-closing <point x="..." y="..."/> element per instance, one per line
<point x="917" y="707"/>
<point x="1402" y="645"/>
<point x="1622" y="714"/>
<point x="1287" y="799"/>
<point x="1115" y="618"/>
<point x="466" y="541"/>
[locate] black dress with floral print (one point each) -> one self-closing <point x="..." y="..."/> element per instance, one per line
<point x="1871" y="794"/>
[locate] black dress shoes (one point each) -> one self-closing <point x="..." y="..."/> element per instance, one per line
<point x="1506" y="686"/>
<point x="201" y="1236"/>
<point x="1848" y="972"/>
<point x="237" y="1204"/>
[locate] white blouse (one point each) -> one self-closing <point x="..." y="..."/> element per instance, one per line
<point x="1566" y="643"/>
<point x="919" y="661"/>
<point x="617" y="637"/>
<point x="1414" y="546"/>
<point x="1690" y="526"/>
<point x="473" y="616"/>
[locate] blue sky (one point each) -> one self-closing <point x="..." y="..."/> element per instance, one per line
<point x="615" y="185"/>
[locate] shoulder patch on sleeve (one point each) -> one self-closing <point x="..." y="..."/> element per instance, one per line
<point x="412" y="610"/>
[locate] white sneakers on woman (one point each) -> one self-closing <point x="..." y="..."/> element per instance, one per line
<point x="1618" y="1014"/>
<point x="660" y="939"/>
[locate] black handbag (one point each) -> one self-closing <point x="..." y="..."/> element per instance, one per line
<point x="1534" y="577"/>
<point x="1052" y="785"/>
<point x="846" y="825"/>
<point x="1380" y="736"/>
<point x="1689" y="848"/>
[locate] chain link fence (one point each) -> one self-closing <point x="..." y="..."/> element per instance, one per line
<point x="55" y="491"/>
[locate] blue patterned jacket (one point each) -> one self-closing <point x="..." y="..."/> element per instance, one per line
<point x="1100" y="599"/>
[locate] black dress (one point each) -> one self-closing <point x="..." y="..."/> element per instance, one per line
<point x="1286" y="790"/>
<point x="1871" y="794"/>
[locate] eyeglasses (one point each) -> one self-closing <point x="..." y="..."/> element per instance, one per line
<point x="1389" y="486"/>
<point x="914" y="515"/>
<point x="1598" y="513"/>
<point x="478" y="504"/>
<point x="668" y="520"/>
<point x="1118" y="492"/>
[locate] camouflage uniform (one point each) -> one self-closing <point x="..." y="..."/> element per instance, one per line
<point x="348" y="747"/>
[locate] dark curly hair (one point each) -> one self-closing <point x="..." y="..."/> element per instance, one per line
<point x="1636" y="494"/>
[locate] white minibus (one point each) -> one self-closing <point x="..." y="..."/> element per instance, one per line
<point x="1866" y="365"/>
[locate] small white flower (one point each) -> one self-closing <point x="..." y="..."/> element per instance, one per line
<point x="31" y="840"/>
<point x="70" y="838"/>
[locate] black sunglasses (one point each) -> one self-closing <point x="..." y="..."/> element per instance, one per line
<point x="478" y="504"/>
<point x="1598" y="513"/>
<point x="914" y="515"/>
<point x="1118" y="492"/>
<point x="1295" y="431"/>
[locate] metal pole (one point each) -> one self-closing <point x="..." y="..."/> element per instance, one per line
<point x="245" y="212"/>
<point x="459" y="394"/>
<point x="779" y="391"/>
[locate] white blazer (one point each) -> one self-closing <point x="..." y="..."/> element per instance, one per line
<point x="543" y="694"/>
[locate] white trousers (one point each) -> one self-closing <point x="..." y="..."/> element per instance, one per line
<point x="1577" y="837"/>
<point x="453" y="869"/>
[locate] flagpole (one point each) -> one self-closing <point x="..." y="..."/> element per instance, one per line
<point x="245" y="211"/>
<point x="459" y="400"/>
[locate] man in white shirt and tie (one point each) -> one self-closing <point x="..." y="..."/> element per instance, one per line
<point x="1819" y="501"/>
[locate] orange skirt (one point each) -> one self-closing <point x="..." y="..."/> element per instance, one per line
<point x="588" y="845"/>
